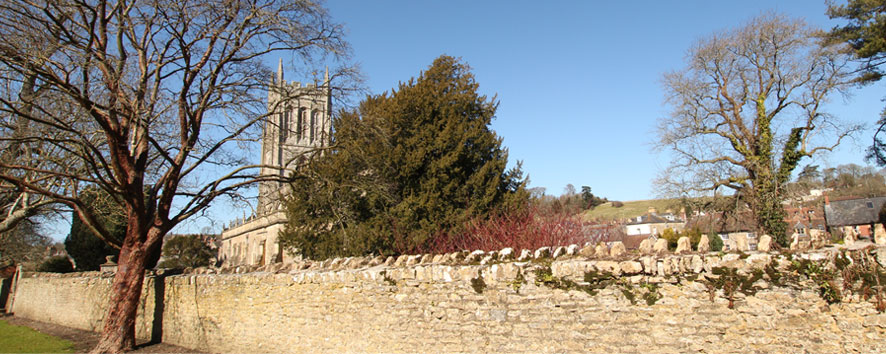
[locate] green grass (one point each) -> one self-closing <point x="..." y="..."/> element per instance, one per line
<point x="631" y="209"/>
<point x="19" y="339"/>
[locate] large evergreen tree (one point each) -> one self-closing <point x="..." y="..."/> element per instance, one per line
<point x="405" y="167"/>
<point x="87" y="250"/>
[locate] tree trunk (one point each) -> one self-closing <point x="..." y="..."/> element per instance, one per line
<point x="118" y="332"/>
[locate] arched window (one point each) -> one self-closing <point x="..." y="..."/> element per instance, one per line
<point x="313" y="124"/>
<point x="284" y="124"/>
<point x="299" y="129"/>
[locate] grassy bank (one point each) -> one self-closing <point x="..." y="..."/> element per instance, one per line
<point x="606" y="212"/>
<point x="19" y="339"/>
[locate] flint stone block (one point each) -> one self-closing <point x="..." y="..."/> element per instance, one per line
<point x="759" y="260"/>
<point x="649" y="264"/>
<point x="646" y="246"/>
<point x="660" y="246"/>
<point x="487" y="259"/>
<point x="617" y="250"/>
<point x="412" y="260"/>
<point x="704" y="244"/>
<point x="588" y="251"/>
<point x="631" y="267"/>
<point x="572" y="250"/>
<point x="608" y="267"/>
<point x="542" y="252"/>
<point x="525" y="255"/>
<point x="474" y="256"/>
<point x="696" y="264"/>
<point x="741" y="242"/>
<point x="683" y="245"/>
<point x="505" y="253"/>
<point x="765" y="243"/>
<point x="601" y="251"/>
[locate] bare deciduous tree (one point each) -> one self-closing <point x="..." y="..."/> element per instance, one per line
<point x="150" y="101"/>
<point x="18" y="204"/>
<point x="747" y="108"/>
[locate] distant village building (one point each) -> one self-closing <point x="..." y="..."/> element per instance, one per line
<point x="859" y="214"/>
<point x="653" y="224"/>
<point x="299" y="124"/>
<point x="727" y="227"/>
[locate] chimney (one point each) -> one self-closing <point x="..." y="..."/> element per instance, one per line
<point x="652" y="210"/>
<point x="827" y="200"/>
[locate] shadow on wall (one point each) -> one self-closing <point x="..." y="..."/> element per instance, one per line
<point x="157" y="325"/>
<point x="5" y="285"/>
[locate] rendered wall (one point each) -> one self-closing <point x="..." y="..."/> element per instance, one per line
<point x="436" y="307"/>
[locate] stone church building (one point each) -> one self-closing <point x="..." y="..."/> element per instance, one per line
<point x="299" y="122"/>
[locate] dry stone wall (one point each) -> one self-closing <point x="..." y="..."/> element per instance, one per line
<point x="479" y="302"/>
<point x="78" y="300"/>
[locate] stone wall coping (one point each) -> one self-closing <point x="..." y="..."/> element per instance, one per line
<point x="461" y="267"/>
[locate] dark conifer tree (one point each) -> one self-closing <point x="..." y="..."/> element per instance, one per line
<point x="405" y="167"/>
<point x="87" y="250"/>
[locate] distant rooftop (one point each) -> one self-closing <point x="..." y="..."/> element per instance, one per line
<point x="859" y="211"/>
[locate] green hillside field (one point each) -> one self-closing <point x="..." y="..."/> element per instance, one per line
<point x="606" y="212"/>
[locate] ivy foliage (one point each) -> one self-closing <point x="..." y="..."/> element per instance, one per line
<point x="404" y="167"/>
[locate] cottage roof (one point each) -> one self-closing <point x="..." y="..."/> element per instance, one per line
<point x="722" y="223"/>
<point x="858" y="211"/>
<point x="652" y="218"/>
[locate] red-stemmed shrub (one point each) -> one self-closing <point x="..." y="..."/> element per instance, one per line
<point x="527" y="228"/>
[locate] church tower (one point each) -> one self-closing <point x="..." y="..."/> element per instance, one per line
<point x="299" y="121"/>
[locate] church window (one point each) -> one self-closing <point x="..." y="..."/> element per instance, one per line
<point x="299" y="128"/>
<point x="284" y="125"/>
<point x="313" y="123"/>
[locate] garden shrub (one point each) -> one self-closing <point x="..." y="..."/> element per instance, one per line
<point x="57" y="264"/>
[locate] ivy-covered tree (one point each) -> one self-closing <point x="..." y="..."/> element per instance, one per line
<point x="746" y="109"/>
<point x="87" y="249"/>
<point x="404" y="167"/>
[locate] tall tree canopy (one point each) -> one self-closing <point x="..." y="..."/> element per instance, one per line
<point x="865" y="33"/>
<point x="747" y="108"/>
<point x="406" y="166"/>
<point x="151" y="102"/>
<point x="87" y="249"/>
<point x="183" y="251"/>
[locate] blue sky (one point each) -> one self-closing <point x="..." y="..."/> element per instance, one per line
<point x="578" y="81"/>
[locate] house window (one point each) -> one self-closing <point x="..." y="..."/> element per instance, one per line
<point x="870" y="205"/>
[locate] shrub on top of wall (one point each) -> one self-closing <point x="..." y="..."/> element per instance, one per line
<point x="57" y="264"/>
<point x="716" y="242"/>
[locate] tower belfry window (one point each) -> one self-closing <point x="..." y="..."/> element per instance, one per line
<point x="284" y="124"/>
<point x="299" y="129"/>
<point x="313" y="124"/>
